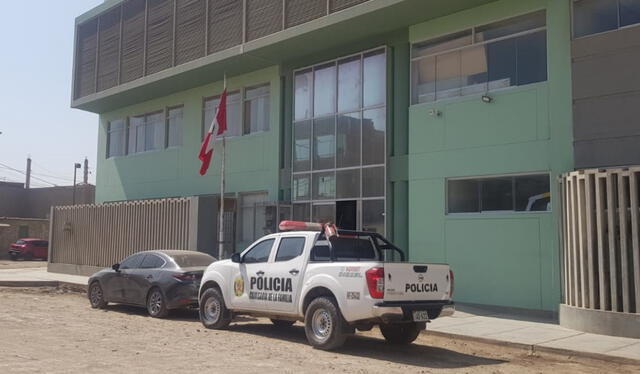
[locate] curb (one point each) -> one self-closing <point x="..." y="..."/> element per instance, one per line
<point x="57" y="284"/>
<point x="533" y="348"/>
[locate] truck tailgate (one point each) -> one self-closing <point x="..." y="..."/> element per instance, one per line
<point x="416" y="282"/>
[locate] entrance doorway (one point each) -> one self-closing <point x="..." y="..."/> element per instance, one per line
<point x="346" y="214"/>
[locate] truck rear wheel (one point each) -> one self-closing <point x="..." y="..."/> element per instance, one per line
<point x="213" y="311"/>
<point x="401" y="333"/>
<point x="324" y="325"/>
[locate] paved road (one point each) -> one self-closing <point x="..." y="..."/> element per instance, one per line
<point x="48" y="330"/>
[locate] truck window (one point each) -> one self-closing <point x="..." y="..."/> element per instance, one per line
<point x="289" y="248"/>
<point x="353" y="249"/>
<point x="259" y="253"/>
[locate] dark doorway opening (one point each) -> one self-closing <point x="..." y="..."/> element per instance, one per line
<point x="346" y="214"/>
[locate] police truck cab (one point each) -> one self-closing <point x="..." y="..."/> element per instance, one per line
<point x="335" y="281"/>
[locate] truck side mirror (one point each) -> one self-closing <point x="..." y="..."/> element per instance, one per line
<point x="236" y="258"/>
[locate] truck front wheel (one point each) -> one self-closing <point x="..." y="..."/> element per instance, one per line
<point x="401" y="333"/>
<point x="324" y="325"/>
<point x="213" y="311"/>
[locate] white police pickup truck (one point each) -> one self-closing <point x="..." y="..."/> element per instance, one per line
<point x="336" y="281"/>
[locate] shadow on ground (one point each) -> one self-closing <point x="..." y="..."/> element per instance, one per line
<point x="360" y="346"/>
<point x="368" y="347"/>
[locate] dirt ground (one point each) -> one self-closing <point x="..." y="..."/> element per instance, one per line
<point x="55" y="331"/>
<point x="21" y="264"/>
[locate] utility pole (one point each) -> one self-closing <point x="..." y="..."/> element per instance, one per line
<point x="76" y="166"/>
<point x="85" y="179"/>
<point x="27" y="182"/>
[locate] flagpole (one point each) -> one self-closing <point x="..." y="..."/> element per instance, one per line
<point x="222" y="186"/>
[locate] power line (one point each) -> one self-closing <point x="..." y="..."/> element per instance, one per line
<point x="23" y="173"/>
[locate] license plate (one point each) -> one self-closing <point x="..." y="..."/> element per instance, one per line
<point x="420" y="316"/>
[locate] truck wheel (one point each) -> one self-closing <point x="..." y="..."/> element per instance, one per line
<point x="401" y="333"/>
<point x="96" y="296"/>
<point x="324" y="325"/>
<point x="213" y="311"/>
<point x="282" y="322"/>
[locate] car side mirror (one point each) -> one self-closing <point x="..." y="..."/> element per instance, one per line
<point x="236" y="258"/>
<point x="116" y="267"/>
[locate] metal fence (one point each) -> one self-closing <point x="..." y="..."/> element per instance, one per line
<point x="601" y="250"/>
<point x="140" y="37"/>
<point x="103" y="234"/>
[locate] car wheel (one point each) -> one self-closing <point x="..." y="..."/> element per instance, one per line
<point x="156" y="305"/>
<point x="13" y="256"/>
<point x="282" y="322"/>
<point x="324" y="325"/>
<point x="213" y="311"/>
<point x="401" y="333"/>
<point x="96" y="296"/>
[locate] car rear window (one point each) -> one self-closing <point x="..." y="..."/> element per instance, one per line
<point x="352" y="249"/>
<point x="192" y="259"/>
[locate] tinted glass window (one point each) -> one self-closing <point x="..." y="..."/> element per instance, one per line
<point x="349" y="249"/>
<point x="259" y="253"/>
<point x="594" y="16"/>
<point x="533" y="193"/>
<point x="192" y="259"/>
<point x="151" y="262"/>
<point x="497" y="194"/>
<point x="132" y="262"/>
<point x="321" y="252"/>
<point x="289" y="248"/>
<point x="629" y="12"/>
<point x="463" y="196"/>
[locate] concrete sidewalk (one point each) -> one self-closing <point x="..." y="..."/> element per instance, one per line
<point x="533" y="334"/>
<point x="467" y="323"/>
<point x="39" y="277"/>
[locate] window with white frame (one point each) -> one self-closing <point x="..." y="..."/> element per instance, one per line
<point x="147" y="132"/>
<point x="507" y="53"/>
<point x="210" y="108"/>
<point x="116" y="138"/>
<point x="257" y="109"/>
<point x="596" y="16"/>
<point x="175" y="118"/>
<point x="509" y="193"/>
<point x="253" y="223"/>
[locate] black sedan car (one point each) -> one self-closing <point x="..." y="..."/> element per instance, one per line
<point x="159" y="280"/>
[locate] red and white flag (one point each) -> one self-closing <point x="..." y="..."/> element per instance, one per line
<point x="218" y="127"/>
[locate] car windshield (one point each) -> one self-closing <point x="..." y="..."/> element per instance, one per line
<point x="21" y="242"/>
<point x="192" y="259"/>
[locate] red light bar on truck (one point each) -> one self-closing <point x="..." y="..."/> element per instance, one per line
<point x="329" y="229"/>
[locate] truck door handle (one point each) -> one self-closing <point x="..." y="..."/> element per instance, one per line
<point x="294" y="271"/>
<point x="260" y="273"/>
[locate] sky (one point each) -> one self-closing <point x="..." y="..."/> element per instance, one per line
<point x="35" y="89"/>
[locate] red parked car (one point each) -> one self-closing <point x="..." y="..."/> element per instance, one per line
<point x="29" y="248"/>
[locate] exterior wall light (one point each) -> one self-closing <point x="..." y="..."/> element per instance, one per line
<point x="487" y="99"/>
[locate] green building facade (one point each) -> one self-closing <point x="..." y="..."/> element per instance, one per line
<point x="443" y="124"/>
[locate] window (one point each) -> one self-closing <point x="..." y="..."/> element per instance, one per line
<point x="596" y="16"/>
<point x="174" y="127"/>
<point x="502" y="54"/>
<point x="147" y="132"/>
<point x="321" y="252"/>
<point x="259" y="253"/>
<point x="210" y="108"/>
<point x="253" y="216"/>
<point x="152" y="261"/>
<point x="339" y="137"/>
<point x="116" y="138"/>
<point x="353" y="249"/>
<point x="132" y="262"/>
<point x="289" y="249"/>
<point x="521" y="193"/>
<point x="189" y="259"/>
<point x="257" y="109"/>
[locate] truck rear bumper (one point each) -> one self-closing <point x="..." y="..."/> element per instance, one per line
<point x="403" y="311"/>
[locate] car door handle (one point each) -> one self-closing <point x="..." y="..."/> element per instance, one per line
<point x="260" y="273"/>
<point x="149" y="276"/>
<point x="294" y="271"/>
